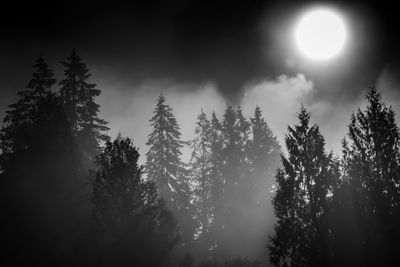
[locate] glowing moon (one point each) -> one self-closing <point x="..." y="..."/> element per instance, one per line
<point x="320" y="34"/>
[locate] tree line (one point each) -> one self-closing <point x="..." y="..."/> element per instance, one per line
<point x="72" y="196"/>
<point x="340" y="211"/>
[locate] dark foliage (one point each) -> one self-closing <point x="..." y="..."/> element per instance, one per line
<point x="305" y="186"/>
<point x="23" y="112"/>
<point x="231" y="263"/>
<point x="78" y="98"/>
<point x="164" y="166"/>
<point x="131" y="225"/>
<point x="208" y="213"/>
<point x="232" y="168"/>
<point x="369" y="194"/>
<point x="43" y="192"/>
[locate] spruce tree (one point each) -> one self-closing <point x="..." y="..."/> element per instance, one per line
<point x="243" y="133"/>
<point x="21" y="114"/>
<point x="200" y="169"/>
<point x="304" y="188"/>
<point x="42" y="180"/>
<point x="262" y="159"/>
<point x="230" y="174"/>
<point x="216" y="184"/>
<point x="78" y="97"/>
<point x="231" y="153"/>
<point x="164" y="166"/>
<point x="372" y="178"/>
<point x="132" y="226"/>
<point x="264" y="152"/>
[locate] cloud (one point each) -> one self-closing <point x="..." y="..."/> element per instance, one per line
<point x="388" y="83"/>
<point x="279" y="100"/>
<point x="129" y="109"/>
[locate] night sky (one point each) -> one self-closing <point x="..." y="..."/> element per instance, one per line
<point x="202" y="54"/>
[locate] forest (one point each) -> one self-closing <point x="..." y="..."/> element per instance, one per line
<point x="73" y="196"/>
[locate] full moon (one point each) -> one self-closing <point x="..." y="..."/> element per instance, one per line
<point x="320" y="34"/>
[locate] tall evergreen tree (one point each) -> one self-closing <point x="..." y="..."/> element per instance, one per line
<point x="216" y="184"/>
<point x="200" y="168"/>
<point x="78" y="97"/>
<point x="164" y="166"/>
<point x="264" y="152"/>
<point x="262" y="155"/>
<point x="42" y="195"/>
<point x="304" y="186"/>
<point x="239" y="188"/>
<point x="230" y="174"/>
<point x="22" y="113"/>
<point x="243" y="127"/>
<point x="132" y="226"/>
<point x="372" y="180"/>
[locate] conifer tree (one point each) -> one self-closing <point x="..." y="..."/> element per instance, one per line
<point x="304" y="186"/>
<point x="132" y="226"/>
<point x="42" y="180"/>
<point x="230" y="174"/>
<point x="164" y="166"/>
<point x="231" y="152"/>
<point x="200" y="168"/>
<point x="78" y="97"/>
<point x="264" y="152"/>
<point x="216" y="183"/>
<point x="372" y="178"/>
<point x="261" y="160"/>
<point x="243" y="134"/>
<point x="22" y="113"/>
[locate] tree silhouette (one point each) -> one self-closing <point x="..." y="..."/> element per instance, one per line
<point x="200" y="169"/>
<point x="264" y="152"/>
<point x="22" y="113"/>
<point x="43" y="193"/>
<point x="304" y="186"/>
<point x="263" y="158"/>
<point x="231" y="174"/>
<point x="164" y="166"/>
<point x="370" y="190"/>
<point x="217" y="183"/>
<point x="132" y="226"/>
<point x="78" y="98"/>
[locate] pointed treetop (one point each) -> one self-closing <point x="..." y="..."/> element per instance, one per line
<point x="304" y="115"/>
<point x="373" y="94"/>
<point x="42" y="79"/>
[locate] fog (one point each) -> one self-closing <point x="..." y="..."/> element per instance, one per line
<point x="128" y="108"/>
<point x="201" y="56"/>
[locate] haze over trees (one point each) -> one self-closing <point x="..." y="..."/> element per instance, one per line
<point x="71" y="196"/>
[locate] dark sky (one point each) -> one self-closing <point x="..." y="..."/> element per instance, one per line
<point x="233" y="44"/>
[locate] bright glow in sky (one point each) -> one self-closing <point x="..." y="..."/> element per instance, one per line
<point x="320" y="34"/>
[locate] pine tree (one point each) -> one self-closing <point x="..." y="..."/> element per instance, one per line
<point x="216" y="184"/>
<point x="200" y="168"/>
<point x="264" y="152"/>
<point x="372" y="177"/>
<point x="78" y="97"/>
<point x="132" y="226"/>
<point x="238" y="194"/>
<point x="304" y="186"/>
<point x="22" y="113"/>
<point x="230" y="179"/>
<point x="243" y="134"/>
<point x="164" y="166"/>
<point x="231" y="153"/>
<point x="42" y="195"/>
<point x="262" y="159"/>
